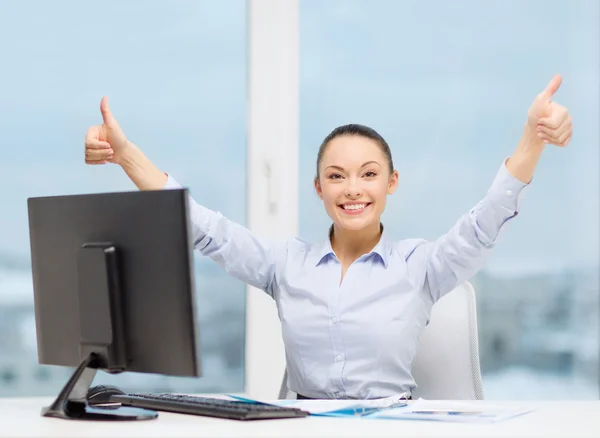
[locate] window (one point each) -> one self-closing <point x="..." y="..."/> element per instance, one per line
<point x="175" y="73"/>
<point x="448" y="85"/>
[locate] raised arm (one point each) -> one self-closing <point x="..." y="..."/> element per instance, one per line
<point x="462" y="252"/>
<point x="231" y="245"/>
<point x="242" y="254"/>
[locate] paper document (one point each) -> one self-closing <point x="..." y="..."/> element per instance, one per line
<point x="336" y="408"/>
<point x="450" y="411"/>
<point x="344" y="407"/>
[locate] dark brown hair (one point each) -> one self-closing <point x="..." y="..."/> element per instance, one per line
<point x="361" y="131"/>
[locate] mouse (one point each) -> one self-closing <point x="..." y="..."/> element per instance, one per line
<point x="102" y="394"/>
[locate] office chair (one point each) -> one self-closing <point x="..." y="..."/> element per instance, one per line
<point x="446" y="366"/>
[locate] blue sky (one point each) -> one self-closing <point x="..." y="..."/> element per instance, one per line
<point x="175" y="74"/>
<point x="447" y="84"/>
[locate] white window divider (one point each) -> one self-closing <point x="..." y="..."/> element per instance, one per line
<point x="272" y="169"/>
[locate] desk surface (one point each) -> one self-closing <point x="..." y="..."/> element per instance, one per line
<point x="20" y="417"/>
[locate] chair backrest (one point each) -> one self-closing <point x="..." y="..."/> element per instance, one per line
<point x="446" y="366"/>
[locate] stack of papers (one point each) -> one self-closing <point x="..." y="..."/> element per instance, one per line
<point x="398" y="408"/>
<point x="337" y="408"/>
<point x="450" y="411"/>
<point x="344" y="408"/>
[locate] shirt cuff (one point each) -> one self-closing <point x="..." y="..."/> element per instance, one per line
<point x="506" y="189"/>
<point x="171" y="183"/>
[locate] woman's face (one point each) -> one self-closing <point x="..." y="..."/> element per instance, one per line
<point x="354" y="180"/>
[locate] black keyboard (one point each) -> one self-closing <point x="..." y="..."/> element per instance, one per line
<point x="207" y="406"/>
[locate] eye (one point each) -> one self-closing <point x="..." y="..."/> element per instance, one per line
<point x="335" y="176"/>
<point x="370" y="174"/>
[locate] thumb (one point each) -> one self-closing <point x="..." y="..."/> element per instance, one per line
<point x="552" y="87"/>
<point x="106" y="113"/>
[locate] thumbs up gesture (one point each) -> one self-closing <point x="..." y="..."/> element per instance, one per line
<point x="105" y="143"/>
<point x="549" y="120"/>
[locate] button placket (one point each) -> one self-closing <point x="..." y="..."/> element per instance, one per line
<point x="339" y="355"/>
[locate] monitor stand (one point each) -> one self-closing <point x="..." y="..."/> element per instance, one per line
<point x="102" y="344"/>
<point x="72" y="403"/>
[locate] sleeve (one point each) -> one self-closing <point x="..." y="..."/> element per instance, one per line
<point x="242" y="254"/>
<point x="460" y="253"/>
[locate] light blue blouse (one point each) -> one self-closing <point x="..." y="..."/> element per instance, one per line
<point x="356" y="339"/>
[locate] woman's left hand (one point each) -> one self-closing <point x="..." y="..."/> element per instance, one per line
<point x="550" y="121"/>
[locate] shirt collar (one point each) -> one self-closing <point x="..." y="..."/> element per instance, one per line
<point x="323" y="250"/>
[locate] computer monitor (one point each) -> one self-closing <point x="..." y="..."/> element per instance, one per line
<point x="113" y="290"/>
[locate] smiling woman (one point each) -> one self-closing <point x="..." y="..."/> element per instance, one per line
<point x="445" y="84"/>
<point x="334" y="329"/>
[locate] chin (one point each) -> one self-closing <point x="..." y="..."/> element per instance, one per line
<point x="354" y="224"/>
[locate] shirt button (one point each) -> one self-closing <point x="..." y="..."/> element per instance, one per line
<point x="334" y="320"/>
<point x="339" y="357"/>
<point x="509" y="192"/>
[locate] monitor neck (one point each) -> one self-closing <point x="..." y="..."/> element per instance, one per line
<point x="100" y="297"/>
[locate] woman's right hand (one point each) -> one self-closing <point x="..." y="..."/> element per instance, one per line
<point x="105" y="143"/>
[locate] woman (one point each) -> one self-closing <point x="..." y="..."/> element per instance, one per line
<point x="352" y="307"/>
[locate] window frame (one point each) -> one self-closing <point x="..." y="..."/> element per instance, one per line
<point x="272" y="171"/>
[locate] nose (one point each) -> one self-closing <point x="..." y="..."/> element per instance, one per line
<point x="353" y="191"/>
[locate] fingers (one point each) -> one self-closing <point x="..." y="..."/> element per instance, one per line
<point x="555" y="132"/>
<point x="568" y="140"/>
<point x="560" y="136"/>
<point x="98" y="156"/>
<point x="96" y="144"/>
<point x="558" y="115"/>
<point x="552" y="87"/>
<point x="98" y="153"/>
<point x="92" y="139"/>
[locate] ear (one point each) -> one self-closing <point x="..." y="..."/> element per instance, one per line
<point x="393" y="182"/>
<point x="318" y="188"/>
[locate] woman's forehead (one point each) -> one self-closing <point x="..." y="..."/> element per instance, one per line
<point x="351" y="151"/>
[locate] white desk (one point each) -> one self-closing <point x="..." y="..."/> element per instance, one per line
<point x="20" y="417"/>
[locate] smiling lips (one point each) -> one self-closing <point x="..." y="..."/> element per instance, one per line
<point x="354" y="208"/>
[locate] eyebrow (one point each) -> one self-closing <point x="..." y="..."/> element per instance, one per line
<point x="364" y="165"/>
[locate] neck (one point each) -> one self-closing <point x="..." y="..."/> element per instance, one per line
<point x="348" y="245"/>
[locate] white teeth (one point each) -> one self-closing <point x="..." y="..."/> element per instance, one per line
<point x="354" y="206"/>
